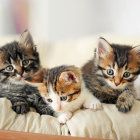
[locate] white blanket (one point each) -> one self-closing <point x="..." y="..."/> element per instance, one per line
<point x="106" y="123"/>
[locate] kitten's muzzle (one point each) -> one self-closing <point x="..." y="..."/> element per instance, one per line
<point x="117" y="83"/>
<point x="20" y="72"/>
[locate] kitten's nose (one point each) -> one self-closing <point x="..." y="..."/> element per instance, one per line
<point x="58" y="108"/>
<point x="117" y="83"/>
<point x="19" y="71"/>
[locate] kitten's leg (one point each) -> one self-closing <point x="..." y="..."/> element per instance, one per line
<point x="63" y="117"/>
<point x="39" y="104"/>
<point x="125" y="101"/>
<point x="19" y="105"/>
<point x="43" y="108"/>
<point x="92" y="102"/>
<point x="16" y="94"/>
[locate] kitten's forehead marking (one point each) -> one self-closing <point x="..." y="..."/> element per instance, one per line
<point x="51" y="91"/>
<point x="17" y="61"/>
<point x="123" y="69"/>
<point x="116" y="66"/>
<point x="53" y="95"/>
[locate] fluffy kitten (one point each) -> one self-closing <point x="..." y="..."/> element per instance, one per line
<point x="63" y="89"/>
<point x="17" y="61"/>
<point x="111" y="73"/>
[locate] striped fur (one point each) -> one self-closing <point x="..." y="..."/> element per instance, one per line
<point x="111" y="73"/>
<point x="21" y="58"/>
<point x="17" y="61"/>
<point x="65" y="81"/>
<point x="63" y="89"/>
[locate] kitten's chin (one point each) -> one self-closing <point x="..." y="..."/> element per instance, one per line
<point x="20" y="78"/>
<point x="17" y="79"/>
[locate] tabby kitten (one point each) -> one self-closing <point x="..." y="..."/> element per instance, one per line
<point x="64" y="91"/>
<point x="17" y="61"/>
<point x="111" y="73"/>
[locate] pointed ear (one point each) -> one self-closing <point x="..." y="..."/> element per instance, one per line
<point x="103" y="47"/>
<point x="37" y="77"/>
<point x="136" y="50"/>
<point x="26" y="40"/>
<point x="69" y="77"/>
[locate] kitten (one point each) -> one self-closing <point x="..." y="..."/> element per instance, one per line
<point x="63" y="89"/>
<point x="17" y="61"/>
<point x="111" y="73"/>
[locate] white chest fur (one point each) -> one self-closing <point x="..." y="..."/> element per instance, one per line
<point x="85" y="99"/>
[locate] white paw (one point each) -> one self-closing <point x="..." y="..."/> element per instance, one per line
<point x="95" y="105"/>
<point x="63" y="118"/>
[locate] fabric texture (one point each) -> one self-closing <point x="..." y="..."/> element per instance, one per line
<point x="106" y="123"/>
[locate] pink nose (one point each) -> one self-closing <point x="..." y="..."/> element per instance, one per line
<point x="117" y="83"/>
<point x="58" y="108"/>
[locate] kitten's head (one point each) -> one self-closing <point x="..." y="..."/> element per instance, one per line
<point x="118" y="65"/>
<point x="19" y="59"/>
<point x="58" y="86"/>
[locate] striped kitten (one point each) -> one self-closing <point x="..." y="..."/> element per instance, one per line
<point x="17" y="61"/>
<point x="63" y="89"/>
<point x="110" y="75"/>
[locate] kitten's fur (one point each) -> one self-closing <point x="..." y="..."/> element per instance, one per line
<point x="17" y="61"/>
<point x="63" y="89"/>
<point x="113" y="86"/>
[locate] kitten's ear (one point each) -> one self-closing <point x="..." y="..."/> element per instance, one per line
<point x="136" y="50"/>
<point x="103" y="47"/>
<point x="69" y="77"/>
<point x="37" y="77"/>
<point x="26" y="40"/>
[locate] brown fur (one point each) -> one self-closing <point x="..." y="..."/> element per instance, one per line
<point x="109" y="60"/>
<point x="18" y="60"/>
<point x="13" y="54"/>
<point x="133" y="61"/>
<point x="121" y="58"/>
<point x="61" y="84"/>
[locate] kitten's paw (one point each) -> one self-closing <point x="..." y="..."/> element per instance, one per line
<point x="124" y="104"/>
<point x="95" y="105"/>
<point x="44" y="109"/>
<point x="63" y="118"/>
<point x="21" y="109"/>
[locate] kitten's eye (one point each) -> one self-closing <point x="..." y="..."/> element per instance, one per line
<point x="126" y="74"/>
<point x="9" y="68"/>
<point x="49" y="100"/>
<point x="110" y="72"/>
<point x="25" y="62"/>
<point x="63" y="98"/>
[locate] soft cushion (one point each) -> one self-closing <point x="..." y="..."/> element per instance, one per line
<point x="105" y="123"/>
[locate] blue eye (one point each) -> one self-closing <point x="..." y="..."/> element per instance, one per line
<point x="25" y="62"/>
<point x="110" y="72"/>
<point x="126" y="74"/>
<point x="9" y="68"/>
<point x="63" y="98"/>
